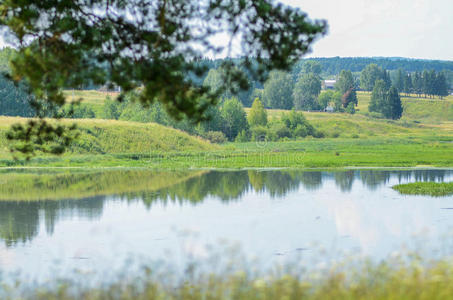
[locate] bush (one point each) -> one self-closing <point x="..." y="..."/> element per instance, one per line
<point x="216" y="137"/>
<point x="80" y="111"/>
<point x="335" y="135"/>
<point x="300" y="131"/>
<point x="259" y="133"/>
<point x="294" y="119"/>
<point x="278" y="131"/>
<point x="242" y="137"/>
<point x="350" y="109"/>
<point x="319" y="134"/>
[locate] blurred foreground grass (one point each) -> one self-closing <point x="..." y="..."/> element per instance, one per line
<point x="395" y="278"/>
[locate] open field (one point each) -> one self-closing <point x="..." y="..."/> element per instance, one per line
<point x="92" y="98"/>
<point x="416" y="108"/>
<point x="423" y="110"/>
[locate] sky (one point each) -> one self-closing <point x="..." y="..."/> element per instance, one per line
<point x="403" y="28"/>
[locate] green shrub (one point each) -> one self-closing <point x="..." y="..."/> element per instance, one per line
<point x="242" y="137"/>
<point x="335" y="135"/>
<point x="350" y="109"/>
<point x="300" y="131"/>
<point x="319" y="134"/>
<point x="278" y="131"/>
<point x="259" y="133"/>
<point x="81" y="111"/>
<point x="216" y="137"/>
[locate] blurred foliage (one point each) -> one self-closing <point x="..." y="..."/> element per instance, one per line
<point x="150" y="48"/>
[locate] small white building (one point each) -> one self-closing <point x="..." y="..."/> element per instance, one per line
<point x="329" y="109"/>
<point x="328" y="84"/>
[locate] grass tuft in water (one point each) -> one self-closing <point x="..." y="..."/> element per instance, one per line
<point x="436" y="189"/>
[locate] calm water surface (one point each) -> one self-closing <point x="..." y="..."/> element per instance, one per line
<point x="98" y="220"/>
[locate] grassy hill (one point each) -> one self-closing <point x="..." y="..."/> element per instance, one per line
<point x="423" y="110"/>
<point x="120" y="137"/>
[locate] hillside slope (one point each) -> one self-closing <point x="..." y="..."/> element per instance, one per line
<point x="107" y="136"/>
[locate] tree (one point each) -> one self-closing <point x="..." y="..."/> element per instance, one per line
<point x="429" y="80"/>
<point x="312" y="66"/>
<point x="371" y="74"/>
<point x="386" y="101"/>
<point x="306" y="92"/>
<point x="399" y="80"/>
<point x="346" y="86"/>
<point x="148" y="47"/>
<point x="393" y="108"/>
<point x="336" y="99"/>
<point x="215" y="121"/>
<point x="386" y="78"/>
<point x="278" y="90"/>
<point x="441" y="85"/>
<point x="214" y="81"/>
<point x="408" y="87"/>
<point x="417" y="83"/>
<point x="378" y="97"/>
<point x="234" y="117"/>
<point x="325" y="98"/>
<point x="111" y="109"/>
<point x="257" y="115"/>
<point x="350" y="109"/>
<point x="14" y="100"/>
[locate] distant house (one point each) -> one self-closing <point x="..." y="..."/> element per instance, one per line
<point x="329" y="109"/>
<point x="328" y="84"/>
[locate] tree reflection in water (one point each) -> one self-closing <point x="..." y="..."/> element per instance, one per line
<point x="20" y="220"/>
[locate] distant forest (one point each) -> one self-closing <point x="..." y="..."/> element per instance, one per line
<point x="334" y="65"/>
<point x="330" y="67"/>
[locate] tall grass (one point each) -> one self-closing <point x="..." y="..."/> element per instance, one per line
<point x="115" y="137"/>
<point x="391" y="279"/>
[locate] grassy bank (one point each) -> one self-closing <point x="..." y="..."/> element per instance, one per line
<point x="313" y="153"/>
<point x="426" y="188"/>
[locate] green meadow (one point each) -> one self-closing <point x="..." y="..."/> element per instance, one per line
<point x="423" y="137"/>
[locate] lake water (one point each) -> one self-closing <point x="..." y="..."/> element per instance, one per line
<point x="99" y="220"/>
